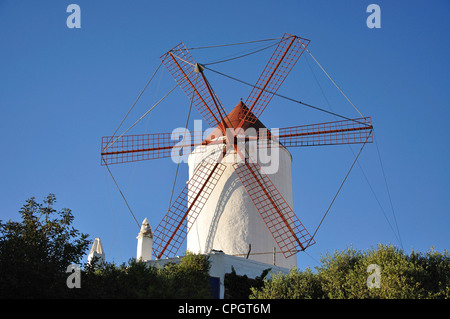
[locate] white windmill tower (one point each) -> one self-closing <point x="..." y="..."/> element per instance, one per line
<point x="229" y="220"/>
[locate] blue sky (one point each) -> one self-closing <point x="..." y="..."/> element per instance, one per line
<point x="62" y="89"/>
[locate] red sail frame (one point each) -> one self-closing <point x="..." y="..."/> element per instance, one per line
<point x="140" y="147"/>
<point x="352" y="131"/>
<point x="286" y="54"/>
<point x="173" y="228"/>
<point x="182" y="66"/>
<point x="287" y="230"/>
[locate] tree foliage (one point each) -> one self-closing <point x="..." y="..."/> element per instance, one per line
<point x="188" y="279"/>
<point x="344" y="275"/>
<point x="238" y="287"/>
<point x="35" y="253"/>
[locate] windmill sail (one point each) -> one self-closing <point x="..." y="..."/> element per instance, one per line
<point x="186" y="72"/>
<point x="285" y="227"/>
<point x="286" y="54"/>
<point x="173" y="228"/>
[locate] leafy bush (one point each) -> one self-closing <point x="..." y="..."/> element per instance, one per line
<point x="238" y="287"/>
<point x="344" y="275"/>
<point x="188" y="279"/>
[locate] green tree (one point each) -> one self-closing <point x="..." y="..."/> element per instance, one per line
<point x="337" y="271"/>
<point x="434" y="274"/>
<point x="188" y="279"/>
<point x="35" y="252"/>
<point x="295" y="285"/>
<point x="398" y="278"/>
<point x="108" y="281"/>
<point x="344" y="275"/>
<point x="239" y="287"/>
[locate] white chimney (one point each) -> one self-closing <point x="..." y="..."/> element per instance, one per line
<point x="97" y="251"/>
<point x="145" y="242"/>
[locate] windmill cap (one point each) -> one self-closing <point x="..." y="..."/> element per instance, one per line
<point x="233" y="119"/>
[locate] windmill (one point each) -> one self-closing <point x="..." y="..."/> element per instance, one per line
<point x="284" y="227"/>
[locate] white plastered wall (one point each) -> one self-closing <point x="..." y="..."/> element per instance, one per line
<point x="229" y="221"/>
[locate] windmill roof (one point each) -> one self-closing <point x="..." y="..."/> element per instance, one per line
<point x="234" y="118"/>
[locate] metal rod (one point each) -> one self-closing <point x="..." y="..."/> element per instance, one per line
<point x="222" y="123"/>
